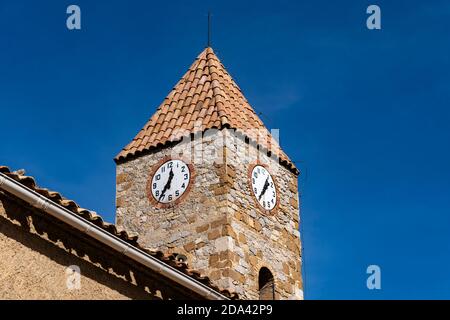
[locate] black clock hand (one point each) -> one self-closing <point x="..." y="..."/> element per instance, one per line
<point x="168" y="183"/>
<point x="266" y="185"/>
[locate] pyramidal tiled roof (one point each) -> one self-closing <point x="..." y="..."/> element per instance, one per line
<point x="205" y="97"/>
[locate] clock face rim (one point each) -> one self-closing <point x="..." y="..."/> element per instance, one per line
<point x="152" y="173"/>
<point x="274" y="210"/>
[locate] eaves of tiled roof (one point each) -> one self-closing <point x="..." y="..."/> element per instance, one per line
<point x="206" y="97"/>
<point x="112" y="229"/>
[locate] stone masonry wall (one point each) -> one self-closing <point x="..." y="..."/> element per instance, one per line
<point x="218" y="224"/>
<point x="259" y="239"/>
<point x="194" y="227"/>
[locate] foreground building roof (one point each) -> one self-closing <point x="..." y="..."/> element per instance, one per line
<point x="206" y="97"/>
<point x="96" y="219"/>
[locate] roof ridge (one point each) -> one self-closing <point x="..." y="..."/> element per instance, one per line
<point x="225" y="91"/>
<point x="216" y="85"/>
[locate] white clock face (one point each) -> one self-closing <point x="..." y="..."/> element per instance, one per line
<point x="170" y="181"/>
<point x="263" y="187"/>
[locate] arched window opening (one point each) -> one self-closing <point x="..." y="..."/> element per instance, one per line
<point x="266" y="284"/>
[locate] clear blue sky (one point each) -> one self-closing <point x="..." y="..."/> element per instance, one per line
<point x="365" y="115"/>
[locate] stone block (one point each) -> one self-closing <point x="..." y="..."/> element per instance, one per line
<point x="242" y="239"/>
<point x="121" y="178"/>
<point x="189" y="246"/>
<point x="224" y="243"/>
<point x="219" y="222"/>
<point x="214" y="234"/>
<point x="202" y="228"/>
<point x="213" y="260"/>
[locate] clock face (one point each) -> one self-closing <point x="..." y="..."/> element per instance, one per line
<point x="263" y="187"/>
<point x="170" y="181"/>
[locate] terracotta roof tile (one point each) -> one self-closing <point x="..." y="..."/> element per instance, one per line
<point x="112" y="228"/>
<point x="206" y="93"/>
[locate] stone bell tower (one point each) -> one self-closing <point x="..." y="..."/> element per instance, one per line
<point x="205" y="178"/>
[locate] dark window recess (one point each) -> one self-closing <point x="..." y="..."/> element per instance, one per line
<point x="266" y="284"/>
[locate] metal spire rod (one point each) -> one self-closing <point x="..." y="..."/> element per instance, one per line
<point x="209" y="29"/>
